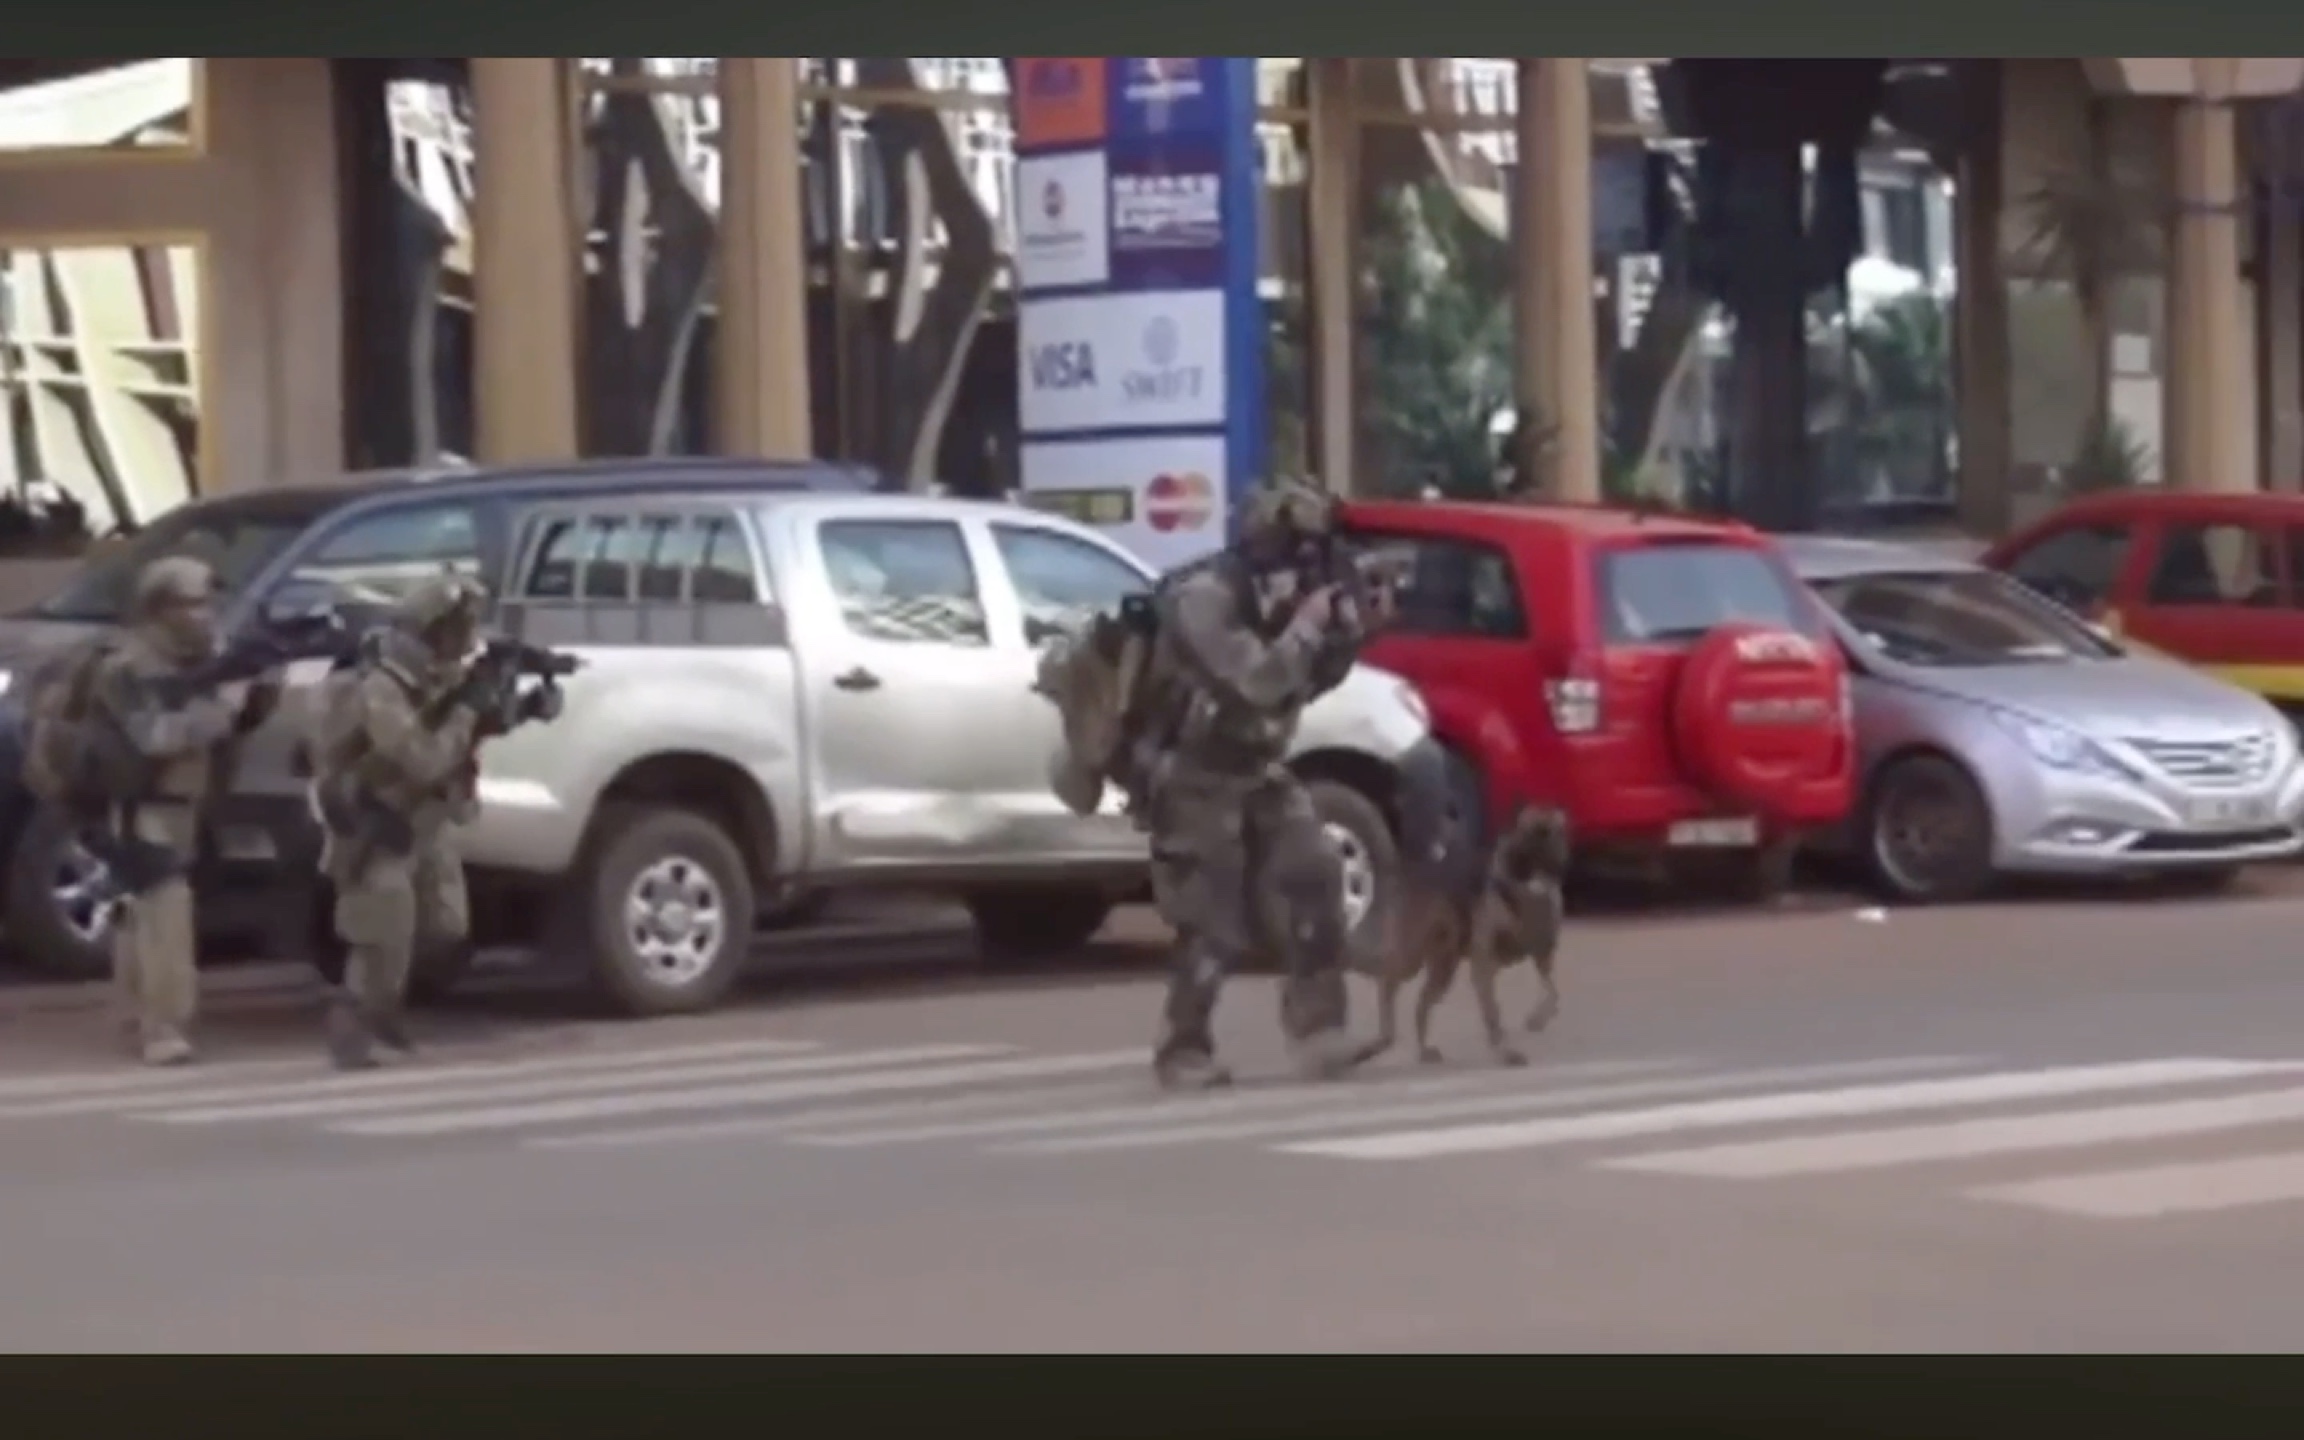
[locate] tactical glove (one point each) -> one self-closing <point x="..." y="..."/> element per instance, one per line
<point x="479" y="693"/>
<point x="543" y="704"/>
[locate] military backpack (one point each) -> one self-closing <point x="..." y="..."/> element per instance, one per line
<point x="1094" y="675"/>
<point x="73" y="761"/>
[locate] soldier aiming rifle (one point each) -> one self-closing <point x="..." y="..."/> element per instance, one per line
<point x="396" y="768"/>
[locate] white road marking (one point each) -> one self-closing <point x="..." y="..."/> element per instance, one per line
<point x="2153" y="1191"/>
<point x="1970" y="1139"/>
<point x="2004" y="1087"/>
<point x="1534" y="1100"/>
<point x="131" y="1077"/>
<point x="720" y="1097"/>
<point x="193" y="1087"/>
<point x="746" y="1127"/>
<point x="1336" y="1102"/>
<point x="489" y="1091"/>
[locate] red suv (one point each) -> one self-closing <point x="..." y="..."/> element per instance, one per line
<point x="1666" y="681"/>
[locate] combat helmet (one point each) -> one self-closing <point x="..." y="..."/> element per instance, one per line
<point x="1287" y="509"/>
<point x="438" y="601"/>
<point x="173" y="580"/>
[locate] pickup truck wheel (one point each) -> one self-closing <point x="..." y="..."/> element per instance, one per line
<point x="1036" y="923"/>
<point x="1356" y="826"/>
<point x="671" y="905"/>
<point x="57" y="925"/>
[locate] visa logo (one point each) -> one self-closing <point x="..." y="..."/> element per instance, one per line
<point x="1064" y="365"/>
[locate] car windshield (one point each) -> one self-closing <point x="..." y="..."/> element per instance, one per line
<point x="1677" y="591"/>
<point x="237" y="540"/>
<point x="1959" y="618"/>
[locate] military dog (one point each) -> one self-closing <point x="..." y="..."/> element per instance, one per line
<point x="1513" y="914"/>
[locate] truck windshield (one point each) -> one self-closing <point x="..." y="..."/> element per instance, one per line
<point x="238" y="541"/>
<point x="1675" y="592"/>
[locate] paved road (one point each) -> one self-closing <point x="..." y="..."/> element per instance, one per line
<point x="2046" y="1125"/>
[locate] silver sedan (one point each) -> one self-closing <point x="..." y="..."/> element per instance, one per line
<point x="2000" y="734"/>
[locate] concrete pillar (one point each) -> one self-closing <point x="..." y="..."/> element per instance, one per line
<point x="763" y="292"/>
<point x="1980" y="345"/>
<point x="2280" y="328"/>
<point x="1557" y="350"/>
<point x="2207" y="344"/>
<point x="524" y="258"/>
<point x="1332" y="251"/>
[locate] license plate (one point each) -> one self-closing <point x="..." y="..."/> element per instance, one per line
<point x="2230" y="813"/>
<point x="1714" y="834"/>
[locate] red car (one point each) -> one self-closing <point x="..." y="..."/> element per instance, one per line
<point x="1666" y="681"/>
<point x="2213" y="579"/>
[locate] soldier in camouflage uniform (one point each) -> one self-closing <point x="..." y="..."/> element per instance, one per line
<point x="393" y="771"/>
<point x="1241" y="648"/>
<point x="171" y="629"/>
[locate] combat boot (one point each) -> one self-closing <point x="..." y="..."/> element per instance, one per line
<point x="167" y="1050"/>
<point x="350" y="1046"/>
<point x="1329" y="1054"/>
<point x="1190" y="1070"/>
<point x="391" y="1032"/>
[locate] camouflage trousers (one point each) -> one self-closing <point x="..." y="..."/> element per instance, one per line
<point x="1241" y="868"/>
<point x="155" y="976"/>
<point x="391" y="908"/>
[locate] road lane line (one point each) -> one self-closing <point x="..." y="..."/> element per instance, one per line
<point x="1089" y="1090"/>
<point x="728" y="1097"/>
<point x="133" y="1077"/>
<point x="1533" y="1100"/>
<point x="193" y="1089"/>
<point x="1337" y="1104"/>
<point x="1845" y="1103"/>
<point x="2154" y="1191"/>
<point x="1969" y="1139"/>
<point x="487" y="1090"/>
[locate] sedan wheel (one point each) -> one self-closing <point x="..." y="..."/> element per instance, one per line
<point x="1928" y="832"/>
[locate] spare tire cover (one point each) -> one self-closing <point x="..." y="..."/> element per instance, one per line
<point x="1757" y="714"/>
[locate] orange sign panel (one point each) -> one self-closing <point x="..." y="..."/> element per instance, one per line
<point x="1059" y="101"/>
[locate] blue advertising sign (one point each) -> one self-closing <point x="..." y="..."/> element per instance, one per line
<point x="1139" y="327"/>
<point x="1167" y="215"/>
<point x="1182" y="99"/>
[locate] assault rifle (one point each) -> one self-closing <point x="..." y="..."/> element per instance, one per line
<point x="493" y="688"/>
<point x="1367" y="579"/>
<point x="492" y="684"/>
<point x="266" y="646"/>
<point x="131" y="865"/>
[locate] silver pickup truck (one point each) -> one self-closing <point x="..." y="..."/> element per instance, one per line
<point x="792" y="687"/>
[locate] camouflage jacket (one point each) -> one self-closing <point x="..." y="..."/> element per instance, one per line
<point x="178" y="743"/>
<point x="374" y="732"/>
<point x="1228" y="696"/>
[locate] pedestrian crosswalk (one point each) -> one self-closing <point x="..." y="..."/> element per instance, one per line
<point x="2073" y="1140"/>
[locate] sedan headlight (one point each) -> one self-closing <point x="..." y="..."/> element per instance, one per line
<point x="2062" y="749"/>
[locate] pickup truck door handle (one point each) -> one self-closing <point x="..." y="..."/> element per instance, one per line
<point x="858" y="678"/>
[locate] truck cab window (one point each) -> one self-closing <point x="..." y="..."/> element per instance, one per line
<point x="724" y="572"/>
<point x="379" y="558"/>
<point x="1059" y="579"/>
<point x="904" y="581"/>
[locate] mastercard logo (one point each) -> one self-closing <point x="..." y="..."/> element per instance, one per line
<point x="1175" y="502"/>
